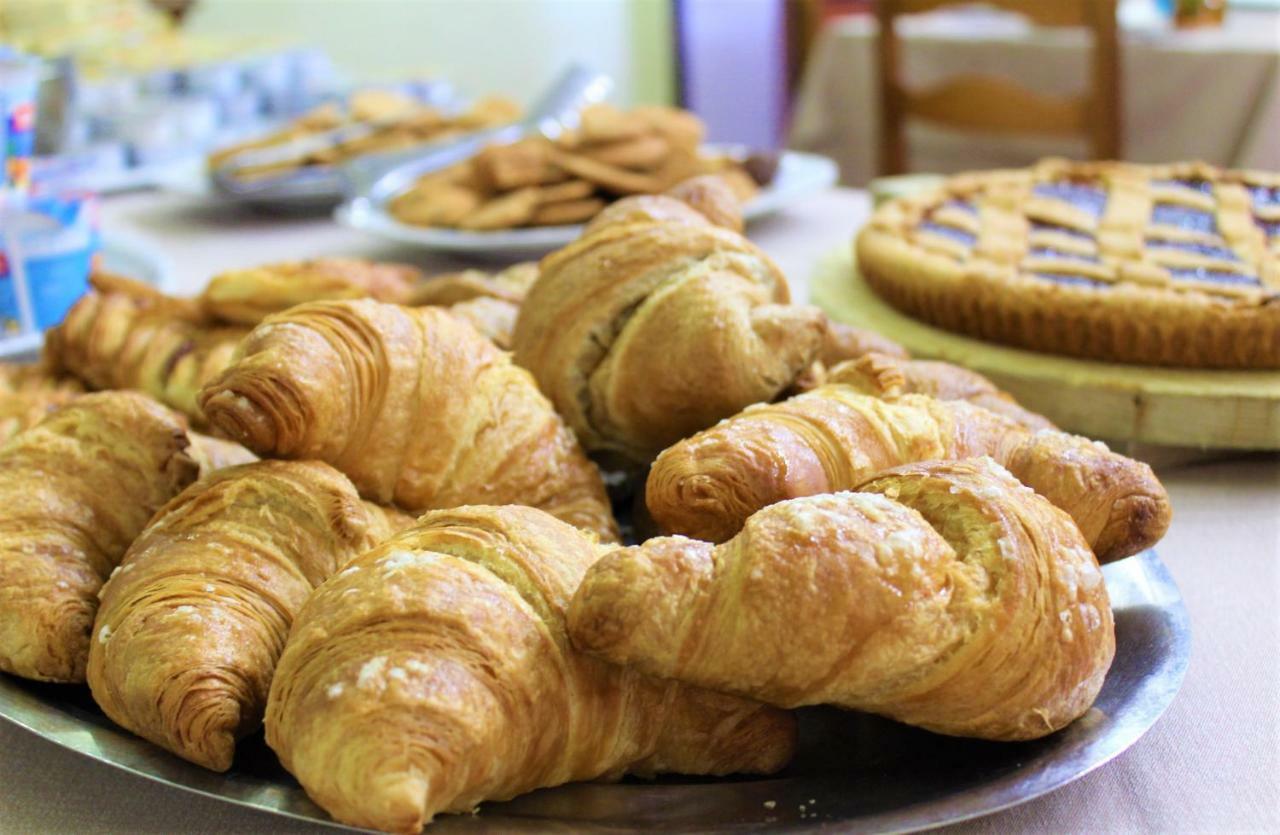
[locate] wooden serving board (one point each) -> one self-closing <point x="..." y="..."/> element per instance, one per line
<point x="1144" y="404"/>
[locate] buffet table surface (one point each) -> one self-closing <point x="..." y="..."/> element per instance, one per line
<point x="1172" y="106"/>
<point x="1210" y="764"/>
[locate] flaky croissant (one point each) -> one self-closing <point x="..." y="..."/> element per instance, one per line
<point x="20" y="410"/>
<point x="845" y="342"/>
<point x="697" y="200"/>
<point x="412" y="404"/>
<point x="489" y="301"/>
<point x="125" y="335"/>
<point x="32" y="378"/>
<point x="834" y="438"/>
<point x="192" y="622"/>
<point x="248" y="296"/>
<point x="213" y="454"/>
<point x="510" y="285"/>
<point x="888" y="378"/>
<point x="495" y="319"/>
<point x="643" y="333"/>
<point x="75" y="490"/>
<point x="943" y="594"/>
<point x="28" y="393"/>
<point x="434" y="673"/>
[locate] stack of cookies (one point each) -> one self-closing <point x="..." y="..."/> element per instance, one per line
<point x="541" y="182"/>
<point x="371" y="121"/>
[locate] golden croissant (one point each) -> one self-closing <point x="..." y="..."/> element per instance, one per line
<point x="943" y="594"/>
<point x="833" y="438"/>
<point x="192" y="622"/>
<point x="76" y="489"/>
<point x="28" y="393"/>
<point x="509" y="285"/>
<point x="125" y="335"/>
<point x="412" y="404"/>
<point x="434" y="673"/>
<point x="889" y="377"/>
<point x="247" y="296"/>
<point x="492" y="318"/>
<point x="643" y="333"/>
<point x="490" y="303"/>
<point x="33" y="378"/>
<point x="213" y="454"/>
<point x="20" y="410"/>
<point x="845" y="342"/>
<point x="697" y="200"/>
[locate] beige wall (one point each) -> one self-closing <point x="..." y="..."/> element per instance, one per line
<point x="510" y="46"/>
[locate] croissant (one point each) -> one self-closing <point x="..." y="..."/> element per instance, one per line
<point x="509" y="285"/>
<point x="35" y="378"/>
<point x="495" y="319"/>
<point x="20" y="410"/>
<point x="643" y="333"/>
<point x="250" y="295"/>
<point x="943" y="594"/>
<point x="647" y="208"/>
<point x="713" y="197"/>
<point x="192" y="622"/>
<point x="890" y="377"/>
<point x="125" y="335"/>
<point x="76" y="489"/>
<point x="845" y="342"/>
<point x="213" y="454"/>
<point x="833" y="438"/>
<point x="434" y="673"/>
<point x="697" y="200"/>
<point x="489" y="302"/>
<point x="414" y="406"/>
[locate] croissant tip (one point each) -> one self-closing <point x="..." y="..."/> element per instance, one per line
<point x="240" y="418"/>
<point x="1139" y="523"/>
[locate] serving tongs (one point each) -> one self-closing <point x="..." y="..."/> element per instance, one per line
<point x="325" y="185"/>
<point x="376" y="179"/>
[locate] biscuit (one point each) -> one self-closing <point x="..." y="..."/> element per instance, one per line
<point x="609" y="177"/>
<point x="606" y="123"/>
<point x="440" y="205"/>
<point x="642" y="152"/>
<point x="513" y="209"/>
<point x="519" y="164"/>
<point x="569" y="190"/>
<point x="680" y="127"/>
<point x="569" y="211"/>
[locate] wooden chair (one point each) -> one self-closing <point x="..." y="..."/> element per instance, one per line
<point x="986" y="104"/>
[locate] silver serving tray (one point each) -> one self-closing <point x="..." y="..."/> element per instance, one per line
<point x="852" y="771"/>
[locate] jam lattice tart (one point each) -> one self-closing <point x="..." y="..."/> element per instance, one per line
<point x="1164" y="265"/>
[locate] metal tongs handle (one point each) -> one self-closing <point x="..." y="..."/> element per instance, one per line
<point x="555" y="112"/>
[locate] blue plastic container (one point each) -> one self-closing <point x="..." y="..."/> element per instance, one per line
<point x="47" y="244"/>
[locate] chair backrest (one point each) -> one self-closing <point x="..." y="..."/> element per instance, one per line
<point x="984" y="103"/>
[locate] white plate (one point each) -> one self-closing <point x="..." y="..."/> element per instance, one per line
<point x="119" y="254"/>
<point x="798" y="176"/>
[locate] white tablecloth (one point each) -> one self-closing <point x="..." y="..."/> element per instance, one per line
<point x="1210" y="765"/>
<point x="1211" y="94"/>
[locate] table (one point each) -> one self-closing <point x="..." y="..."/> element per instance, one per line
<point x="1201" y="94"/>
<point x="1211" y="764"/>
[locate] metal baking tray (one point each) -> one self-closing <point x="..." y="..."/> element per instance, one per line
<point x="852" y="771"/>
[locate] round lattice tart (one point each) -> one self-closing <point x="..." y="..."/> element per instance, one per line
<point x="1165" y="265"/>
